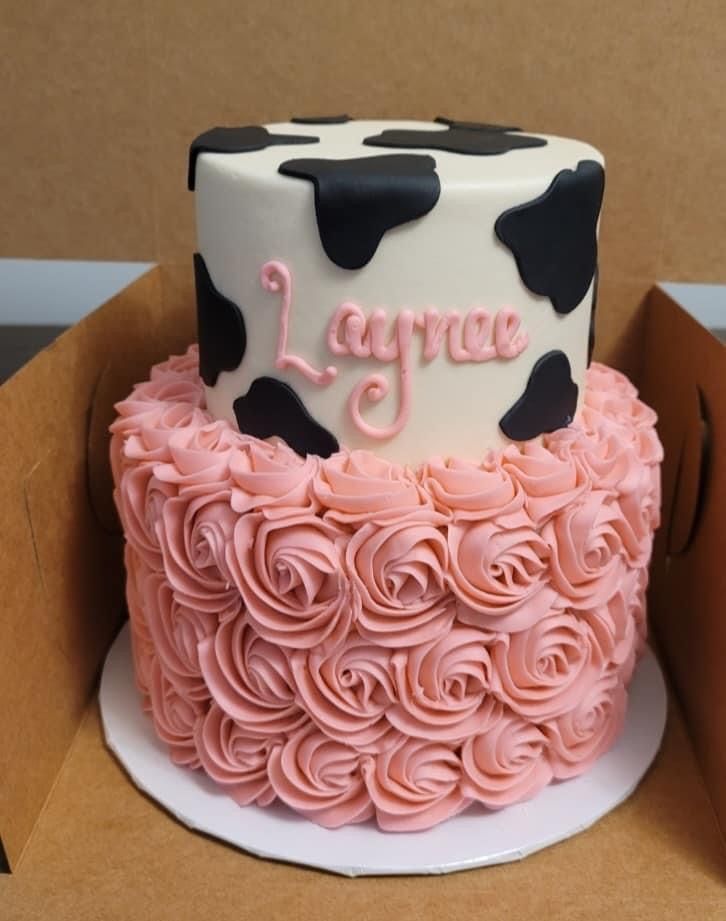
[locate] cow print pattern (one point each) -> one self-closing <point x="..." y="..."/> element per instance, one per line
<point x="320" y="119"/>
<point x="548" y="402"/>
<point x="271" y="407"/>
<point x="221" y="327"/>
<point x="554" y="237"/>
<point x="358" y="200"/>
<point x="474" y="142"/>
<point x="474" y="126"/>
<point x="238" y="140"/>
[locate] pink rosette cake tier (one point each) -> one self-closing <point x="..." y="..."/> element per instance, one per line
<point x="364" y="640"/>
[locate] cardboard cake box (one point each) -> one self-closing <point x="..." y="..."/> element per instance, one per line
<point x="80" y="840"/>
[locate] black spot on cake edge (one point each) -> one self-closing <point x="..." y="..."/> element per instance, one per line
<point x="553" y="237"/>
<point x="320" y="119"/>
<point x="221" y="327"/>
<point x="238" y="140"/>
<point x="357" y="200"/>
<point x="271" y="407"/>
<point x="548" y="403"/>
<point x="473" y="126"/>
<point x="464" y="141"/>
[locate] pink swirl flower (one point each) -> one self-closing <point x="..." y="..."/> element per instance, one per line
<point x="290" y="574"/>
<point x="320" y="778"/>
<point x="499" y="572"/>
<point x="234" y="759"/>
<point x="348" y="692"/>
<point x="149" y="443"/>
<point x="142" y="645"/>
<point x="580" y="736"/>
<point x="194" y="531"/>
<point x="167" y="387"/>
<point x="397" y="569"/>
<point x="601" y="379"/>
<point x="175" y="718"/>
<point x="271" y="476"/>
<point x="611" y="394"/>
<point x="185" y="365"/>
<point x="471" y="491"/>
<point x="543" y="671"/>
<point x="506" y="762"/>
<point x="550" y="482"/>
<point x="612" y="624"/>
<point x="443" y="686"/>
<point x="630" y="607"/>
<point x="176" y="631"/>
<point x="358" y="486"/>
<point x="586" y="562"/>
<point x="415" y="785"/>
<point x="250" y="679"/>
<point x="613" y="464"/>
<point x="144" y="437"/>
<point x="637" y="516"/>
<point x="607" y="460"/>
<point x="200" y="457"/>
<point x="647" y="446"/>
<point x="140" y="498"/>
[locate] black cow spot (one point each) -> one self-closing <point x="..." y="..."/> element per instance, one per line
<point x="238" y="140"/>
<point x="593" y="308"/>
<point x="221" y="327"/>
<point x="455" y="140"/>
<point x="320" y="119"/>
<point x="271" y="407"/>
<point x="474" y="126"/>
<point x="554" y="237"/>
<point x="548" y="402"/>
<point x="358" y="200"/>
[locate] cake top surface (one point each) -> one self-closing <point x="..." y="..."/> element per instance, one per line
<point x="463" y="155"/>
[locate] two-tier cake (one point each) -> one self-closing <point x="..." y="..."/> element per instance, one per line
<point x="387" y="527"/>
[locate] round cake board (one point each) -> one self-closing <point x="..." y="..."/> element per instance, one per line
<point x="474" y="839"/>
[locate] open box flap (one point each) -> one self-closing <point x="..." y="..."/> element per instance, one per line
<point x="684" y="379"/>
<point x="60" y="562"/>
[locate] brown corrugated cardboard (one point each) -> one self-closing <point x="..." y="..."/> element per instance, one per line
<point x="684" y="380"/>
<point x="59" y="563"/>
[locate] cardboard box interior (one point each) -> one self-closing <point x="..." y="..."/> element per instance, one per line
<point x="132" y="82"/>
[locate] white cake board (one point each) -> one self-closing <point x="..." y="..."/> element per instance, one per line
<point x="474" y="839"/>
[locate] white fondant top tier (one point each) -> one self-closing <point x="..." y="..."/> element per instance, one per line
<point x="448" y="259"/>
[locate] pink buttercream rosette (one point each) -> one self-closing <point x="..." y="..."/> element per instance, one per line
<point x="360" y="639"/>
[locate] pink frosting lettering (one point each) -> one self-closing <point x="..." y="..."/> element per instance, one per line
<point x="509" y="338"/>
<point x="477" y="338"/>
<point x="275" y="276"/>
<point x="477" y="332"/>
<point x="375" y="386"/>
<point x="354" y="328"/>
<point x="434" y="327"/>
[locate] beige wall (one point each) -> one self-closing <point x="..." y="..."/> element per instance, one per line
<point x="101" y="100"/>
